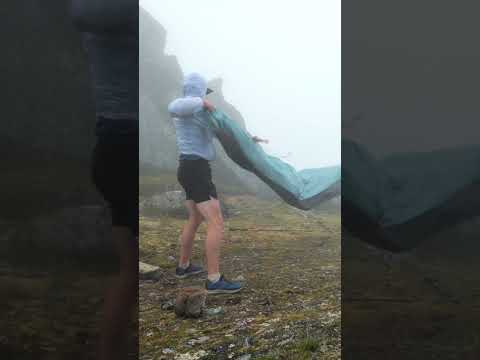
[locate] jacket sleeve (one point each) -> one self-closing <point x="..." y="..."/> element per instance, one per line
<point x="185" y="106"/>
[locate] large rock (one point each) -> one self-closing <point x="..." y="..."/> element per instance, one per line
<point x="190" y="302"/>
<point x="170" y="203"/>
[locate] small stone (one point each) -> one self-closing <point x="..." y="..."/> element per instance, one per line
<point x="245" y="357"/>
<point x="148" y="272"/>
<point x="200" y="340"/>
<point x="215" y="311"/>
<point x="171" y="258"/>
<point x="239" y="278"/>
<point x="284" y="342"/>
<point x="168" y="305"/>
<point x="168" y="351"/>
<point x="203" y="339"/>
<point x="195" y="356"/>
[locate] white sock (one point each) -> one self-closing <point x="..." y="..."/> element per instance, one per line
<point x="214" y="277"/>
<point x="184" y="266"/>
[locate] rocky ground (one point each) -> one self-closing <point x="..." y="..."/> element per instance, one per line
<point x="289" y="262"/>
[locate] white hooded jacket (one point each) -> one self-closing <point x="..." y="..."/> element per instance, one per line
<point x="193" y="139"/>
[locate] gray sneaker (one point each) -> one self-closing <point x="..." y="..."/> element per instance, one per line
<point x="189" y="271"/>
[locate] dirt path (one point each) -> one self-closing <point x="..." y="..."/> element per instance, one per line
<point x="289" y="308"/>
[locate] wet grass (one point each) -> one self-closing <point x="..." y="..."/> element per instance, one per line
<point x="309" y="345"/>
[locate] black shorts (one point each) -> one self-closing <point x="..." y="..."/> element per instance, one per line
<point x="115" y="174"/>
<point x="195" y="176"/>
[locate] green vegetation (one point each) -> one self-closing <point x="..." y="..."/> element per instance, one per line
<point x="309" y="345"/>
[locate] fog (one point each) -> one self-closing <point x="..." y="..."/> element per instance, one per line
<point x="280" y="63"/>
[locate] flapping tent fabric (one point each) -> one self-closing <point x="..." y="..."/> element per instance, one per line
<point x="302" y="189"/>
<point x="396" y="202"/>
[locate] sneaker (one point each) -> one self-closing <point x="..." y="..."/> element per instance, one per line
<point x="223" y="286"/>
<point x="189" y="271"/>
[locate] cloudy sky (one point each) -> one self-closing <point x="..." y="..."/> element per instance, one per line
<point x="280" y="62"/>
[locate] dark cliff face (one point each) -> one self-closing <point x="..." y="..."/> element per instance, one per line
<point x="160" y="82"/>
<point x="48" y="114"/>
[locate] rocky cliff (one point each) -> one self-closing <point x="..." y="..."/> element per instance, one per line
<point x="160" y="82"/>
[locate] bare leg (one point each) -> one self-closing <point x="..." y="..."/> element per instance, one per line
<point x="120" y="298"/>
<point x="212" y="213"/>
<point x="189" y="231"/>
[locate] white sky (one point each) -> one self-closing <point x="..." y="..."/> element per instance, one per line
<point x="280" y="62"/>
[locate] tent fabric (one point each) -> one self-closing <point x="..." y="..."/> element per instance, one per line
<point x="398" y="201"/>
<point x="303" y="189"/>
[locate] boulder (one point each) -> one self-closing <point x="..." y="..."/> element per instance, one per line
<point x="190" y="302"/>
<point x="170" y="203"/>
<point x="167" y="203"/>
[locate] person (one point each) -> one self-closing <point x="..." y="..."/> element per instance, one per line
<point x="109" y="31"/>
<point x="196" y="151"/>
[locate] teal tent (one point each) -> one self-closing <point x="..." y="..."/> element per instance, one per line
<point x="398" y="201"/>
<point x="302" y="189"/>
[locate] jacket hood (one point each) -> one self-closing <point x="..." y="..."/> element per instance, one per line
<point x="194" y="85"/>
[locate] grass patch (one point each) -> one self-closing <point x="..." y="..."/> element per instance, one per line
<point x="309" y="345"/>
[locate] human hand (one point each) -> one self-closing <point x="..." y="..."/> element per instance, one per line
<point x="208" y="105"/>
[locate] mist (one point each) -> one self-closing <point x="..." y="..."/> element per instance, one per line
<point x="280" y="64"/>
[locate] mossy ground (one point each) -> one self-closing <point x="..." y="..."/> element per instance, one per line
<point x="290" y="306"/>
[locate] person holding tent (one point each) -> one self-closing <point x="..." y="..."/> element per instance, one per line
<point x="196" y="150"/>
